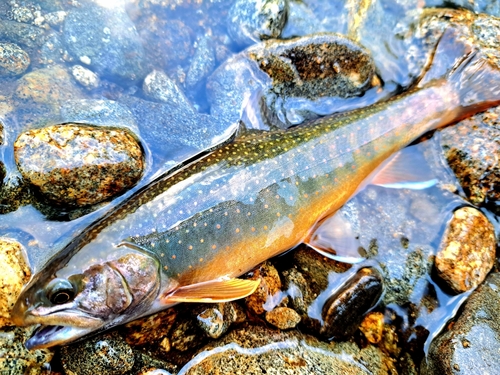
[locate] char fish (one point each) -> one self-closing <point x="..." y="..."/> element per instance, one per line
<point x="189" y="235"/>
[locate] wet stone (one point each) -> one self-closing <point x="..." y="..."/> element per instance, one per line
<point x="158" y="86"/>
<point x="467" y="251"/>
<point x="372" y="327"/>
<point x="105" y="39"/>
<point x="270" y="285"/>
<point x="24" y="34"/>
<point x="215" y="320"/>
<point x="343" y="312"/>
<point x="13" y="60"/>
<point x="16" y="359"/>
<point x="85" y="77"/>
<point x="151" y="329"/>
<point x="202" y="64"/>
<point x="47" y="86"/>
<point x="55" y="18"/>
<point x="14" y="273"/>
<point x="470" y="345"/>
<point x="251" y="21"/>
<point x="283" y="317"/>
<point x="78" y="165"/>
<point x="106" y="354"/>
<point x="474" y="156"/>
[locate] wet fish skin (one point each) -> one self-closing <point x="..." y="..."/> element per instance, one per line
<point x="239" y="205"/>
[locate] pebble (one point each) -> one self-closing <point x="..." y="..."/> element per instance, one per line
<point x="470" y="345"/>
<point x="216" y="319"/>
<point x="372" y="327"/>
<point x="28" y="35"/>
<point x="343" y="311"/>
<point x="467" y="251"/>
<point x="85" y="77"/>
<point x="78" y="165"/>
<point x="283" y="317"/>
<point x="16" y="359"/>
<point x="106" y="354"/>
<point x="14" y="273"/>
<point x="158" y="86"/>
<point x="151" y="329"/>
<point x="47" y="86"/>
<point x="105" y="39"/>
<point x="202" y="63"/>
<point x="55" y="18"/>
<point x="251" y="21"/>
<point x="270" y="285"/>
<point x="13" y="60"/>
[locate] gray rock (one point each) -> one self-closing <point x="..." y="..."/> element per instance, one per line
<point x="105" y="39"/>
<point x="159" y="87"/>
<point x="202" y="64"/>
<point x="470" y="345"/>
<point x="21" y="33"/>
<point x="106" y="354"/>
<point x="251" y="21"/>
<point x="85" y="77"/>
<point x="13" y="60"/>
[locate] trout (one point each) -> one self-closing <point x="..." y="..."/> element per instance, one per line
<point x="189" y="235"/>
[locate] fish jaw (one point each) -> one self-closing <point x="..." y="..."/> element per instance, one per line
<point x="49" y="336"/>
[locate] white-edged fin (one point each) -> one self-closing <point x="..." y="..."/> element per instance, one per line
<point x="335" y="239"/>
<point x="213" y="291"/>
<point x="407" y="169"/>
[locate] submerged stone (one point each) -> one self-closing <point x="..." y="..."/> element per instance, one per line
<point x="14" y="273"/>
<point x="270" y="285"/>
<point x="283" y="317"/>
<point x="216" y="319"/>
<point x="467" y="251"/>
<point x="78" y="165"/>
<point x="13" y="60"/>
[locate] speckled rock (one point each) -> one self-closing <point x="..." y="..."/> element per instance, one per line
<point x="257" y="350"/>
<point x="106" y="354"/>
<point x="283" y="317"/>
<point x="14" y="273"/>
<point x="372" y="327"/>
<point x="467" y="251"/>
<point x="150" y="329"/>
<point x="202" y="64"/>
<point x="85" y="77"/>
<point x="474" y="156"/>
<point x="13" y="60"/>
<point x="105" y="39"/>
<point x="216" y="319"/>
<point x="270" y="285"/>
<point x="22" y="33"/>
<point x="47" y="86"/>
<point x="470" y="345"/>
<point x="16" y="359"/>
<point x="251" y="21"/>
<point x="55" y="18"/>
<point x="78" y="165"/>
<point x="158" y="86"/>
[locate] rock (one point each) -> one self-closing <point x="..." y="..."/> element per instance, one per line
<point x="372" y="327"/>
<point x="24" y="14"/>
<point x="55" y="18"/>
<point x="283" y="317"/>
<point x="14" y="193"/>
<point x="78" y="165"/>
<point x="474" y="158"/>
<point x="270" y="285"/>
<point x="13" y="60"/>
<point x="47" y="86"/>
<point x="151" y="329"/>
<point x="16" y="359"/>
<point x="343" y="311"/>
<point x="21" y="33"/>
<point x="467" y="251"/>
<point x="215" y="320"/>
<point x="106" y="354"/>
<point x="105" y="39"/>
<point x="158" y="86"/>
<point x="14" y="273"/>
<point x="85" y="77"/>
<point x="202" y="64"/>
<point x="250" y="21"/>
<point x="470" y="345"/>
<point x="258" y="350"/>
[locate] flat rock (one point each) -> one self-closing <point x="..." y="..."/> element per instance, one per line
<point x="467" y="251"/>
<point x="14" y="273"/>
<point x="470" y="345"/>
<point x="79" y="165"/>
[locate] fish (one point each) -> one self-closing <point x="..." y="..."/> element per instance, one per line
<point x="191" y="234"/>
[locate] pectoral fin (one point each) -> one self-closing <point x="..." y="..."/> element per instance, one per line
<point x="213" y="291"/>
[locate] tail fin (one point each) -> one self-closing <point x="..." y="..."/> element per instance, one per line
<point x="475" y="70"/>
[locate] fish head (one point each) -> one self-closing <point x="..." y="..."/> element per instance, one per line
<point x="100" y="297"/>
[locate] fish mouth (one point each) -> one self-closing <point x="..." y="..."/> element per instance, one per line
<point x="48" y="336"/>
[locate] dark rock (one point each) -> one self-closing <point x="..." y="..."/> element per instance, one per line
<point x="150" y="330"/>
<point x="13" y="60"/>
<point x="344" y="311"/>
<point x="21" y="33"/>
<point x="467" y="251"/>
<point x="105" y="39"/>
<point x="251" y="21"/>
<point x="270" y="285"/>
<point x="77" y="165"/>
<point x="16" y="359"/>
<point x="106" y="354"/>
<point x="470" y="345"/>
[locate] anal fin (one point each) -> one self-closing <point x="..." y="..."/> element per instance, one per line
<point x="213" y="291"/>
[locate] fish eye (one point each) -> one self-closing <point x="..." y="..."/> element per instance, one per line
<point x="60" y="291"/>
